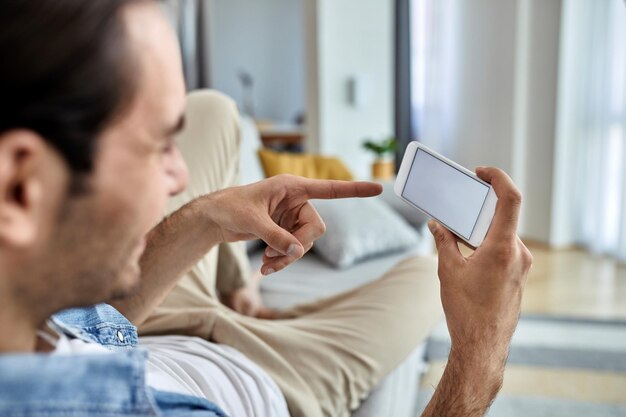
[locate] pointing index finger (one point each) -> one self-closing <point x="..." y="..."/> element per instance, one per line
<point x="330" y="189"/>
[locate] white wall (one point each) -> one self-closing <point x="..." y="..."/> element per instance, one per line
<point x="302" y="54"/>
<point x="536" y="115"/>
<point x="267" y="39"/>
<point x="347" y="39"/>
<point x="486" y="48"/>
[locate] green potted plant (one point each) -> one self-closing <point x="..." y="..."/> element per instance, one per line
<point x="383" y="167"/>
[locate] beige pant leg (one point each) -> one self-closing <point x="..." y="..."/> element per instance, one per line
<point x="340" y="348"/>
<point x="210" y="146"/>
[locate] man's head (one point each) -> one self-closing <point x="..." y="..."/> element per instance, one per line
<point x="91" y="96"/>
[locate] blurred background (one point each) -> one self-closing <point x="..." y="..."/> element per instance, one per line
<point x="536" y="87"/>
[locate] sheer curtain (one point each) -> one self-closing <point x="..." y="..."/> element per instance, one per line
<point x="433" y="71"/>
<point x="595" y="59"/>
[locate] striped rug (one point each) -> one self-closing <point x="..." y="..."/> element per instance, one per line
<point x="557" y="367"/>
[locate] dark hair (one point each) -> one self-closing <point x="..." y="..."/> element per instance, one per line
<point x="65" y="71"/>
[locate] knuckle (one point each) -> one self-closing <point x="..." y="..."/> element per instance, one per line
<point x="514" y="197"/>
<point x="321" y="228"/>
<point x="282" y="177"/>
<point x="527" y="258"/>
<point x="512" y="254"/>
<point x="441" y="268"/>
<point x="505" y="254"/>
<point x="445" y="267"/>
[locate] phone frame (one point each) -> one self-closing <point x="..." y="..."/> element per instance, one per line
<point x="489" y="205"/>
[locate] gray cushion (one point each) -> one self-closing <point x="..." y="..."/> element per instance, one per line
<point x="357" y="229"/>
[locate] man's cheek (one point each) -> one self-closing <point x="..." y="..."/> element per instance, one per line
<point x="155" y="206"/>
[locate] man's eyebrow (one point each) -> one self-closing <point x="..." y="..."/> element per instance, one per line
<point x="180" y="124"/>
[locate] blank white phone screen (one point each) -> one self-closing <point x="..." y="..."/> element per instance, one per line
<point x="445" y="193"/>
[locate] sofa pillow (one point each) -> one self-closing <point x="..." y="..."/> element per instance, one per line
<point x="357" y="229"/>
<point x="304" y="165"/>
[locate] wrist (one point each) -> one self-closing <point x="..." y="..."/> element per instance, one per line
<point x="479" y="362"/>
<point x="207" y="209"/>
<point x="471" y="380"/>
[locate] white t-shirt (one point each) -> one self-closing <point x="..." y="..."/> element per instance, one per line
<point x="193" y="366"/>
<point x="219" y="373"/>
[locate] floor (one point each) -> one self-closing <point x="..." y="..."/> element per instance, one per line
<point x="568" y="283"/>
<point x="575" y="283"/>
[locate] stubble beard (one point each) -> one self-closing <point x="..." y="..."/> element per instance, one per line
<point x="87" y="257"/>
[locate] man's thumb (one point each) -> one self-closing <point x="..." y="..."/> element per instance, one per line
<point x="280" y="240"/>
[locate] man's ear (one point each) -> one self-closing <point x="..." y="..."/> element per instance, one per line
<point x="26" y="162"/>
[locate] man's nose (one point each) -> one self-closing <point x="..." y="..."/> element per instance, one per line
<point x="178" y="174"/>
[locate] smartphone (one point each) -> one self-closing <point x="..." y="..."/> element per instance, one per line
<point x="446" y="192"/>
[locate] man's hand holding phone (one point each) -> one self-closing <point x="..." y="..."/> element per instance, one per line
<point x="481" y="296"/>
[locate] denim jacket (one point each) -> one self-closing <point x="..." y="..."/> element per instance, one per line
<point x="113" y="385"/>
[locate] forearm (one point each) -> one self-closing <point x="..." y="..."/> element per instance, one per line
<point x="469" y="384"/>
<point x="173" y="247"/>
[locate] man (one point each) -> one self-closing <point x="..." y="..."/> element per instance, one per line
<point x="92" y="95"/>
